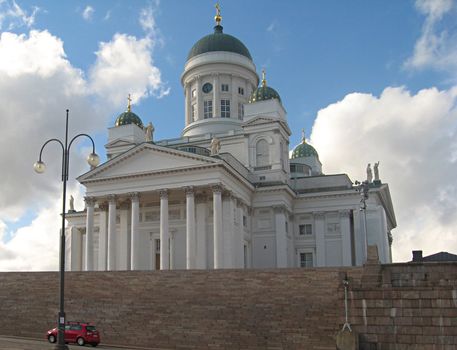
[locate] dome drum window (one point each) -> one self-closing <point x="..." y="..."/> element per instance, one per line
<point x="208" y="109"/>
<point x="225" y="108"/>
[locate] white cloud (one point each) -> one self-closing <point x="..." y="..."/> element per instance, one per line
<point x="124" y="65"/>
<point x="415" y="139"/>
<point x="436" y="48"/>
<point x="88" y="13"/>
<point x="13" y="16"/>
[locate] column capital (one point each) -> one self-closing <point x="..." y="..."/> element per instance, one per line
<point x="217" y="188"/>
<point x="90" y="201"/>
<point x="163" y="194"/>
<point x="319" y="214"/>
<point x="345" y="213"/>
<point x="112" y="198"/>
<point x="189" y="190"/>
<point x="134" y="196"/>
<point x="279" y="209"/>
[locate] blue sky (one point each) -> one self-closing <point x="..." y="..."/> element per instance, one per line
<point x="368" y="80"/>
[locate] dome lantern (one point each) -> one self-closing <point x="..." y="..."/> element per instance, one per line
<point x="128" y="117"/>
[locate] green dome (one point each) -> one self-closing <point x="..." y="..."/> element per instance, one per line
<point x="304" y="150"/>
<point x="218" y="41"/>
<point x="128" y="117"/>
<point x="263" y="93"/>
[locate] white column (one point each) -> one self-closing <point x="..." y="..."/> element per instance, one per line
<point x="89" y="265"/>
<point x="123" y="238"/>
<point x="112" y="233"/>
<point x="216" y="99"/>
<point x="239" y="237"/>
<point x="281" y="236"/>
<point x="135" y="234"/>
<point x="103" y="237"/>
<point x="234" y="102"/>
<point x="345" y="227"/>
<point x="201" y="255"/>
<point x="228" y="229"/>
<point x="190" y="229"/>
<point x="199" y="106"/>
<point x="217" y="227"/>
<point x="164" y="234"/>
<point x="188" y="102"/>
<point x="172" y="248"/>
<point x="319" y="226"/>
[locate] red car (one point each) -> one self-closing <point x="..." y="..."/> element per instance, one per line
<point x="80" y="333"/>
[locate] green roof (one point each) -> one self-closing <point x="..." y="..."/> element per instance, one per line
<point x="304" y="150"/>
<point x="128" y="117"/>
<point x="263" y="93"/>
<point x="218" y="41"/>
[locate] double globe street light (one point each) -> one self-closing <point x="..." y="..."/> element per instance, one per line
<point x="93" y="159"/>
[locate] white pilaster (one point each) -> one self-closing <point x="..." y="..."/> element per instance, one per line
<point x="217" y="226"/>
<point x="112" y="233"/>
<point x="319" y="226"/>
<point x="201" y="207"/>
<point x="164" y="233"/>
<point x="190" y="229"/>
<point x="281" y="236"/>
<point x="188" y="102"/>
<point x="135" y="234"/>
<point x="345" y="227"/>
<point x="216" y="99"/>
<point x="239" y="237"/>
<point x="103" y="238"/>
<point x="89" y="265"/>
<point x="234" y="102"/>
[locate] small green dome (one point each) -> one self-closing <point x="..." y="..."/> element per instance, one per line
<point x="128" y="117"/>
<point x="218" y="41"/>
<point x="263" y="93"/>
<point x="304" y="150"/>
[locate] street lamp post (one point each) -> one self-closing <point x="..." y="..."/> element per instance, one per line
<point x="93" y="160"/>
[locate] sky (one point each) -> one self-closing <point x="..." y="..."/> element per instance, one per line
<point x="368" y="81"/>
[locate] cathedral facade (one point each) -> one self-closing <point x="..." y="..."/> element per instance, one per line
<point x="227" y="193"/>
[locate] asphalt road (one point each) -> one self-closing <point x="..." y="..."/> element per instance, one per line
<point x="10" y="343"/>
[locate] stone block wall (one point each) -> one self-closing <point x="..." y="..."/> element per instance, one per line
<point x="397" y="306"/>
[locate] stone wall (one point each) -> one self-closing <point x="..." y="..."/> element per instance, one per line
<point x="398" y="306"/>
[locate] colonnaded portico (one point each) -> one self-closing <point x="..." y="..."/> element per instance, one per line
<point x="207" y="219"/>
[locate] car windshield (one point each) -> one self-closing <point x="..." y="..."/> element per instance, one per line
<point x="91" y="328"/>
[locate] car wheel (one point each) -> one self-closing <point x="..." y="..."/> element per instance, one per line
<point x="80" y="341"/>
<point x="51" y="338"/>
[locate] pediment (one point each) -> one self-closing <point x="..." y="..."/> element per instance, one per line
<point x="262" y="120"/>
<point x="118" y="143"/>
<point x="147" y="159"/>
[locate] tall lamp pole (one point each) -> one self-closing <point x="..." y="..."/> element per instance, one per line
<point x="93" y="160"/>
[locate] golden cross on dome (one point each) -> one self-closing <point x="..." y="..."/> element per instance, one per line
<point x="303" y="135"/>
<point x="264" y="81"/>
<point x="218" y="17"/>
<point x="129" y="107"/>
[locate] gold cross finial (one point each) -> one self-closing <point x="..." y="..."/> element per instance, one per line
<point x="129" y="107"/>
<point x="264" y="81"/>
<point x="218" y="17"/>
<point x="303" y="135"/>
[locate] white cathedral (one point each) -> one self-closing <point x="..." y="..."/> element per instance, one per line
<point x="225" y="194"/>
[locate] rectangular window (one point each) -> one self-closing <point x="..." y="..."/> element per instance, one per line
<point x="241" y="91"/>
<point x="306" y="259"/>
<point x="240" y="111"/>
<point x="194" y="93"/>
<point x="194" y="112"/>
<point x="225" y="108"/>
<point x="224" y="87"/>
<point x="305" y="229"/>
<point x="208" y="109"/>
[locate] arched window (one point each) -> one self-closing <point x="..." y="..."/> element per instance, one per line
<point x="262" y="156"/>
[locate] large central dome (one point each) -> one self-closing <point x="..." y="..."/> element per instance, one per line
<point x="218" y="41"/>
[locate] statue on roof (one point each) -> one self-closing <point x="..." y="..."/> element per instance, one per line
<point x="215" y="146"/>
<point x="369" y="173"/>
<point x="72" y="204"/>
<point x="376" y="171"/>
<point x="149" y="130"/>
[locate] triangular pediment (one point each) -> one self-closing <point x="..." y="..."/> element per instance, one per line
<point x="262" y="120"/>
<point x="147" y="159"/>
<point x="118" y="143"/>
